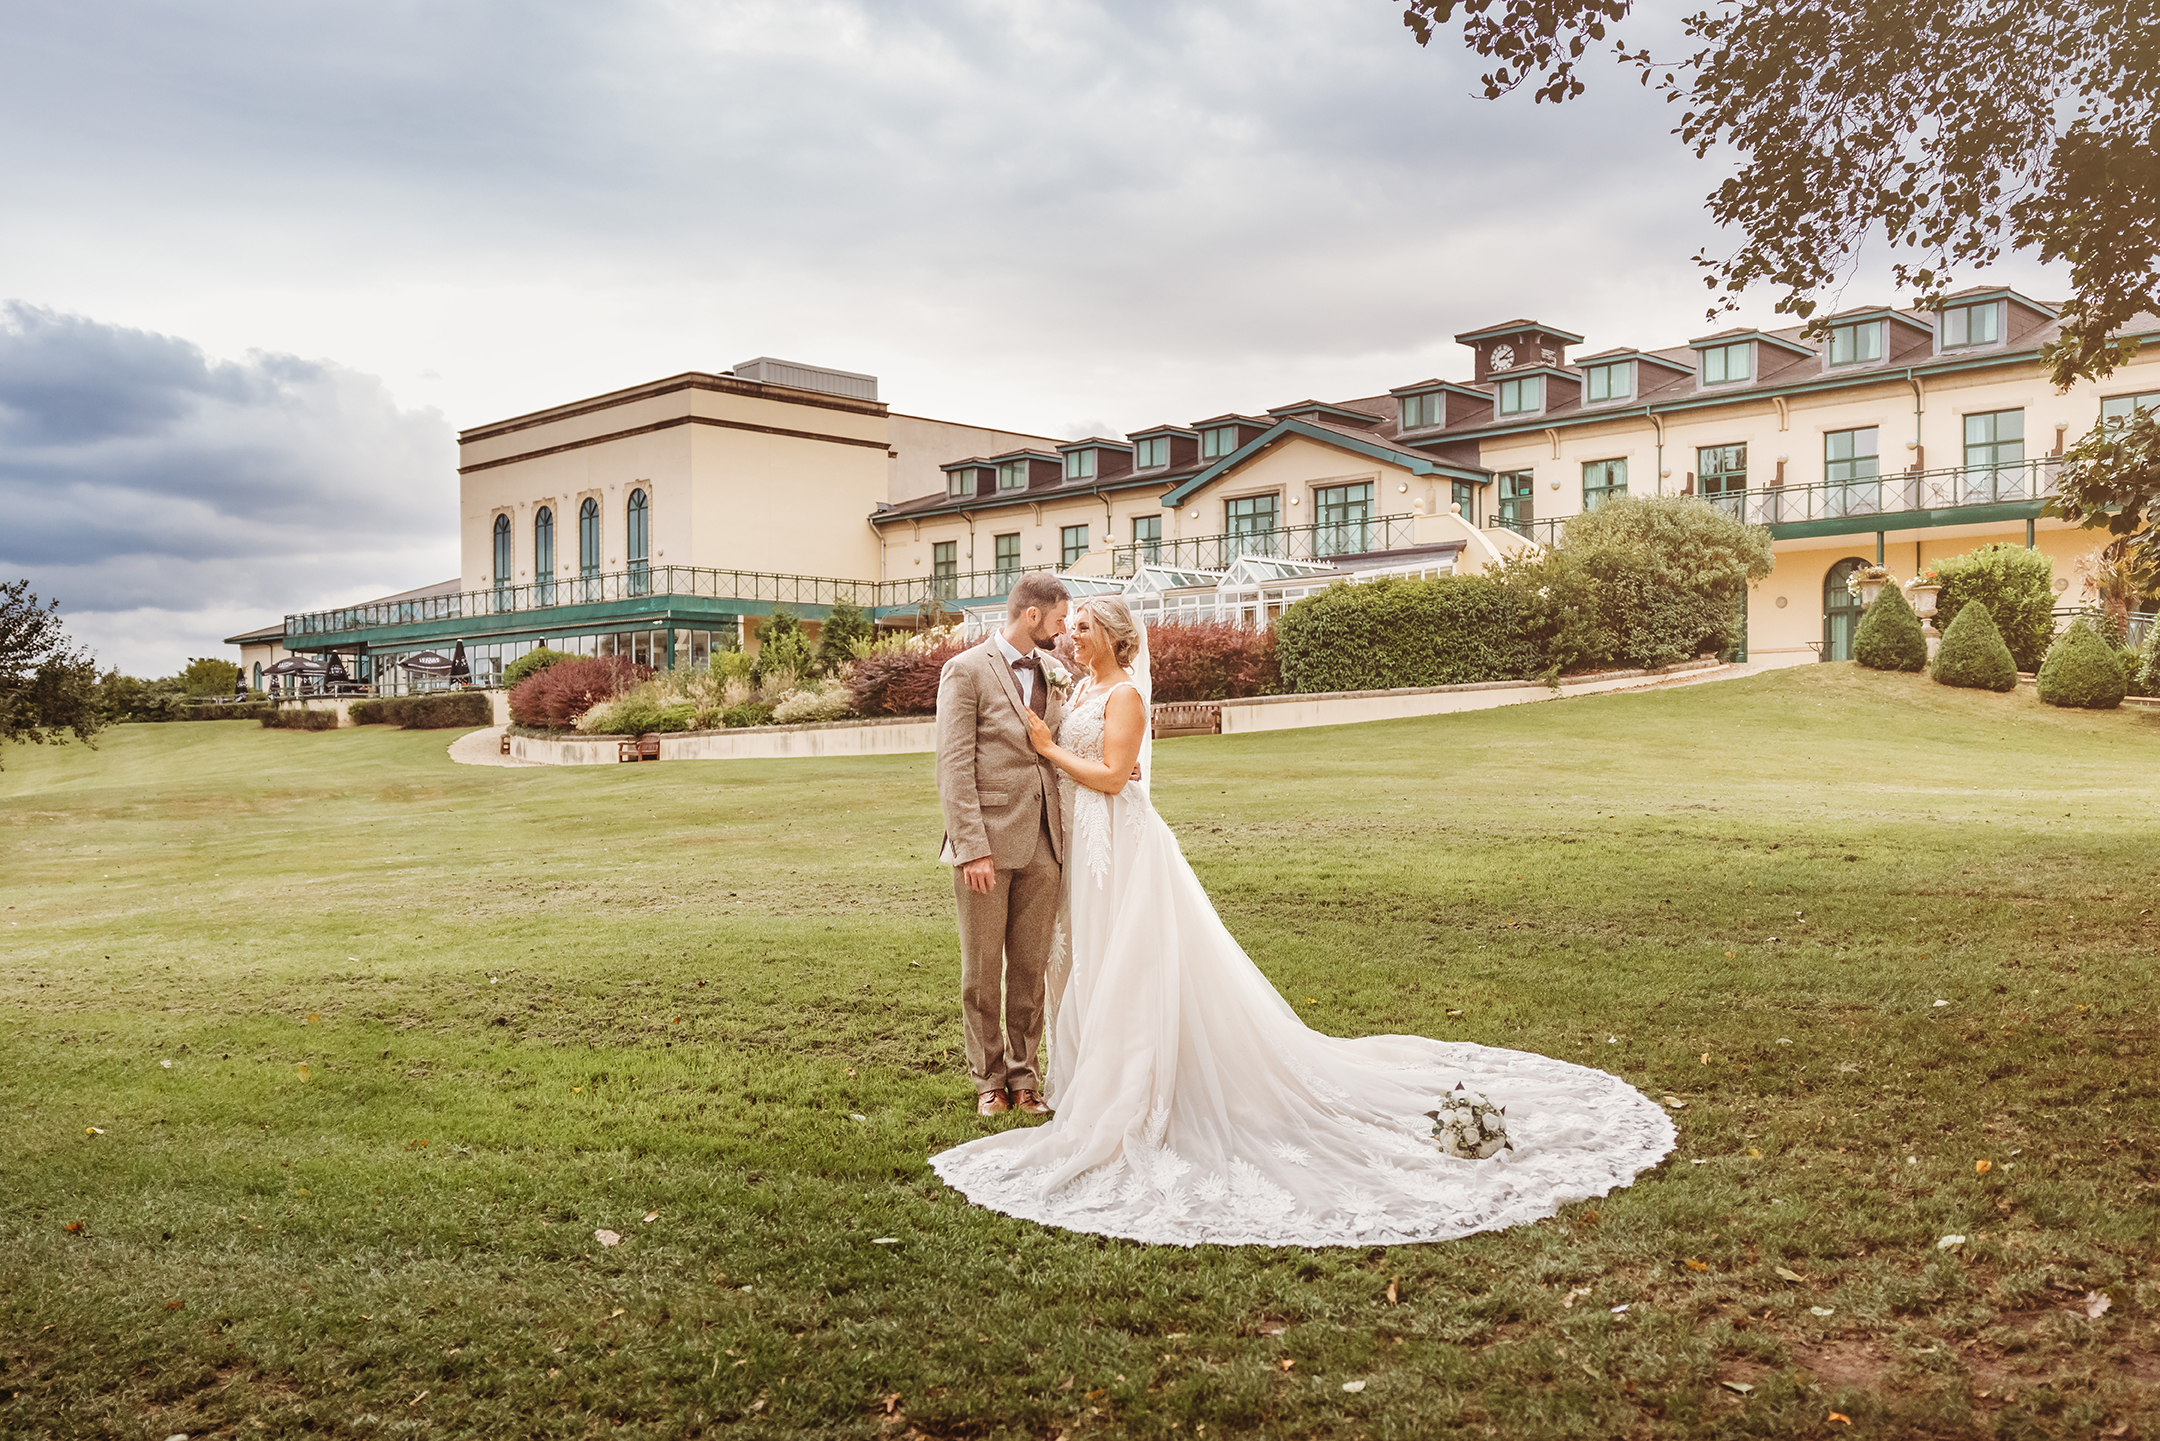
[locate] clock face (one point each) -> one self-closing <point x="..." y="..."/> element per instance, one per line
<point x="1503" y="356"/>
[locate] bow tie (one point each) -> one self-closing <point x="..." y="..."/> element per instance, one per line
<point x="1038" y="698"/>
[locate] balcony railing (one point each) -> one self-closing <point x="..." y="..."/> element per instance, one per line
<point x="1965" y="485"/>
<point x="1539" y="532"/>
<point x="1323" y="540"/>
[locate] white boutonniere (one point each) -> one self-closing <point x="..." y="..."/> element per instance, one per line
<point x="1060" y="678"/>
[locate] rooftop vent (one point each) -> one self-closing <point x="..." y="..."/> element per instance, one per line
<point x="768" y="371"/>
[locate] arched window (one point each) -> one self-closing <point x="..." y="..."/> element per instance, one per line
<point x="588" y="539"/>
<point x="502" y="560"/>
<point x="544" y="555"/>
<point x="1840" y="610"/>
<point x="638" y="540"/>
<point x="258" y="675"/>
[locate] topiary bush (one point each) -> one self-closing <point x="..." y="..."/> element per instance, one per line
<point x="1973" y="655"/>
<point x="2016" y="584"/>
<point x="1212" y="660"/>
<point x="532" y="663"/>
<point x="446" y="710"/>
<point x="369" y="712"/>
<point x="301" y="720"/>
<point x="1890" y="637"/>
<point x="555" y="698"/>
<point x="2082" y="671"/>
<point x="1390" y="633"/>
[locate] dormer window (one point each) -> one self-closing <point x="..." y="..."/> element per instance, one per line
<point x="1856" y="344"/>
<point x="1013" y="475"/>
<point x="1422" y="412"/>
<point x="1151" y="453"/>
<point x="1614" y="381"/>
<point x="1217" y="442"/>
<point x="1079" y="465"/>
<point x="1520" y="396"/>
<point x="1964" y="325"/>
<point x="959" y="483"/>
<point x="1725" y="364"/>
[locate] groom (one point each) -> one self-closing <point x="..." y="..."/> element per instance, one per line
<point x="1004" y="839"/>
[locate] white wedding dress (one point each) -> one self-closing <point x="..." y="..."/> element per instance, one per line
<point x="1192" y="1106"/>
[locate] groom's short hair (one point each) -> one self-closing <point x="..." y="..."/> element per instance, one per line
<point x="1038" y="588"/>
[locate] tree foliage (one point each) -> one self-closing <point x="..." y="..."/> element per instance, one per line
<point x="48" y="688"/>
<point x="2017" y="587"/>
<point x="208" y="676"/>
<point x="846" y="628"/>
<point x="1956" y="129"/>
<point x="2111" y="479"/>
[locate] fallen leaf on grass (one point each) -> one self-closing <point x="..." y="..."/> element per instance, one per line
<point x="614" y="1313"/>
<point x="1454" y="1013"/>
<point x="93" y="1130"/>
<point x="2097" y="1303"/>
<point x="1394" y="1290"/>
<point x="891" y="1403"/>
<point x="1981" y="1168"/>
<point x="1841" y="1416"/>
<point x="1730" y="956"/>
<point x="417" y="1399"/>
<point x="884" y="1240"/>
<point x="1567" y="1302"/>
<point x="1353" y="1385"/>
<point x="1820" y="1311"/>
<point x="166" y="1064"/>
<point x="1949" y="1243"/>
<point x="1286" y="1362"/>
<point x="607" y="1238"/>
<point x="302" y="1071"/>
<point x="1706" y="1058"/>
<point x="1783" y="1274"/>
<point x="553" y="1372"/>
<point x="74" y="1228"/>
<point x="1938" y="1003"/>
<point x="1740" y="1386"/>
<point x="1697" y="1265"/>
<point x="1754" y="1153"/>
<point x="652" y="1215"/>
<point x="176" y="1305"/>
<point x="1617" y="1310"/>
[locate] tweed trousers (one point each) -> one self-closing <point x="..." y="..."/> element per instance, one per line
<point x="1005" y="938"/>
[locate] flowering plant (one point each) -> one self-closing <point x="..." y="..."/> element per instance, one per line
<point x="1469" y="1126"/>
<point x="1925" y="577"/>
<point x="1868" y="575"/>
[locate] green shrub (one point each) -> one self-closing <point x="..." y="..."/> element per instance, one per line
<point x="844" y="630"/>
<point x="733" y="665"/>
<point x="818" y="701"/>
<point x="749" y="713"/>
<point x="301" y="720"/>
<point x="1390" y="633"/>
<point x="2081" y="670"/>
<point x="1890" y="637"/>
<point x="1973" y="654"/>
<point x="2017" y="586"/>
<point x="783" y="645"/>
<point x="532" y="663"/>
<point x="447" y="710"/>
<point x="636" y="715"/>
<point x="368" y="712"/>
<point x="2145" y="668"/>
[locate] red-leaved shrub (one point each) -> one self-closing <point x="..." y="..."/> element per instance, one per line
<point x="1212" y="660"/>
<point x="554" y="699"/>
<point x="898" y="684"/>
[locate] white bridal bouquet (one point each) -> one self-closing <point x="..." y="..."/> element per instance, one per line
<point x="1469" y="1126"/>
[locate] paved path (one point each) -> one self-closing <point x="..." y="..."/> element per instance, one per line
<point x="483" y="748"/>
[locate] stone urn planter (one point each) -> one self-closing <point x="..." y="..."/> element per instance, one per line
<point x="1869" y="589"/>
<point x="1923" y="600"/>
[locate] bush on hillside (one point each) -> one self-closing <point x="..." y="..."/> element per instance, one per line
<point x="749" y="713"/>
<point x="783" y="645"/>
<point x="301" y="720"/>
<point x="900" y="677"/>
<point x="846" y="629"/>
<point x="1973" y="655"/>
<point x="532" y="663"/>
<point x="1390" y="633"/>
<point x="443" y="710"/>
<point x="2016" y="584"/>
<point x="1212" y="660"/>
<point x="555" y="698"/>
<point x="2082" y="670"/>
<point x="639" y="713"/>
<point x="1889" y="637"/>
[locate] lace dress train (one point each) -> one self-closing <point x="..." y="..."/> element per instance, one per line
<point x="1194" y="1107"/>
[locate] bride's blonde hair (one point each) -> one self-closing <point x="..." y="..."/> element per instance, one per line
<point x="1114" y="618"/>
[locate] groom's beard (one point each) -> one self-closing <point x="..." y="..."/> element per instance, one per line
<point x="1044" y="640"/>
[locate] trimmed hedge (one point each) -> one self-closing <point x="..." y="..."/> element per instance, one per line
<point x="301" y="720"/>
<point x="2083" y="671"/>
<point x="444" y="711"/>
<point x="1388" y="634"/>
<point x="532" y="663"/>
<point x="901" y="682"/>
<point x="1973" y="654"/>
<point x="1213" y="660"/>
<point x="554" y="699"/>
<point x="1890" y="637"/>
<point x="2017" y="586"/>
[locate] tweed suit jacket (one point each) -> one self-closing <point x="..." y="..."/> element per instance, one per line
<point x="999" y="796"/>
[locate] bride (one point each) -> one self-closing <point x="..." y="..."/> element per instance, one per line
<point x="1193" y="1106"/>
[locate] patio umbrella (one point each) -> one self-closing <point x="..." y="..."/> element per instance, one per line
<point x="427" y="662"/>
<point x="336" y="670"/>
<point x="239" y="685"/>
<point x="459" y="670"/>
<point x="295" y="665"/>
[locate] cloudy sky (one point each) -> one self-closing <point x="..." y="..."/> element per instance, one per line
<point x="259" y="261"/>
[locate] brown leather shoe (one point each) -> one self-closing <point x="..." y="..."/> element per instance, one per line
<point x="992" y="1103"/>
<point x="1028" y="1103"/>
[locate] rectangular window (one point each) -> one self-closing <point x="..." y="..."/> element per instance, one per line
<point x="1518" y="499"/>
<point x="1851" y="466"/>
<point x="1964" y="325"/>
<point x="1994" y="457"/>
<point x="945" y="568"/>
<point x="1013" y="475"/>
<point x="1147" y="537"/>
<point x="1725" y="364"/>
<point x="1254" y="525"/>
<point x="1517" y="397"/>
<point x="1464" y="494"/>
<point x="1856" y="344"/>
<point x="1079" y="465"/>
<point x="959" y="483"/>
<point x="1008" y="557"/>
<point x="1609" y="382"/>
<point x="2118" y="408"/>
<point x="1217" y="443"/>
<point x="1072" y="544"/>
<point x="1152" y="452"/>
<point x="1721" y="468"/>
<point x="1345" y="516"/>
<point x="1601" y="481"/>
<point x="1422" y="412"/>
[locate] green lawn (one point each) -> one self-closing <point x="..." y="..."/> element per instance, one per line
<point x="322" y="1060"/>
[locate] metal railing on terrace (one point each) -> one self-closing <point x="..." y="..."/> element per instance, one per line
<point x="1860" y="496"/>
<point x="1323" y="540"/>
<point x="1539" y="532"/>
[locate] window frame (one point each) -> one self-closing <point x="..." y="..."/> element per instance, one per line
<point x="945" y="568"/>
<point x="1154" y="445"/>
<point x="1072" y="544"/>
<point x="505" y="552"/>
<point x="1417" y="411"/>
<point x="589" y="536"/>
<point x="1151" y="542"/>
<point x="1606" y="369"/>
<point x="1465" y="494"/>
<point x="961" y="483"/>
<point x="1218" y="441"/>
<point x="1080" y="464"/>
<point x="2145" y="400"/>
<point x="1012" y="475"/>
<point x="1530" y="406"/>
<point x="998" y="557"/>
<point x="1239" y="524"/>
<point x="1724" y="352"/>
<point x="1880" y="329"/>
<point x="1997" y="308"/>
<point x="1608" y="488"/>
<point x="1517" y="499"/>
<point x="1725" y="473"/>
<point x="1342" y="518"/>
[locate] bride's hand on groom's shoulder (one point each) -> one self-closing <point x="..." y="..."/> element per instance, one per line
<point x="1039" y="733"/>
